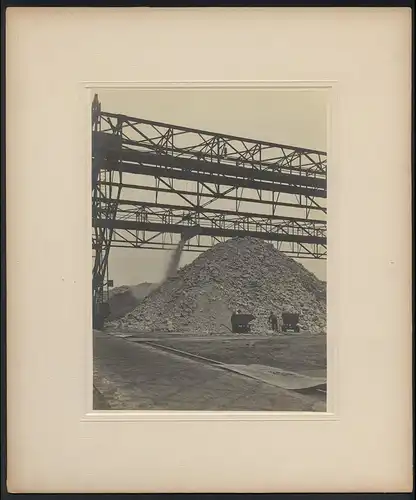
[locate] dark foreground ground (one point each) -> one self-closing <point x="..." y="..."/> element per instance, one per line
<point x="131" y="374"/>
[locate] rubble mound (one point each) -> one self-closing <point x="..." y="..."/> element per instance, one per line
<point x="243" y="274"/>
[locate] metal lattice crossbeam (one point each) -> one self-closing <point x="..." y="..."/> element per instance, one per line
<point x="159" y="138"/>
<point x="198" y="169"/>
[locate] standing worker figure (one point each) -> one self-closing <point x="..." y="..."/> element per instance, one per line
<point x="233" y="322"/>
<point x="273" y="321"/>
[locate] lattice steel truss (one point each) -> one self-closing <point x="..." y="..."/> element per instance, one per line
<point x="136" y="162"/>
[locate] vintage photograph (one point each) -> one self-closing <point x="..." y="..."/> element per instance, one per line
<point x="209" y="248"/>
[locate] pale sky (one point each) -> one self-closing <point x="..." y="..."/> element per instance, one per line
<point x="291" y="117"/>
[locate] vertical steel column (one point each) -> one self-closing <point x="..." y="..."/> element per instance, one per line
<point x="104" y="206"/>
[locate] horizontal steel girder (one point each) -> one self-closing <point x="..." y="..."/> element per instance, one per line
<point x="218" y="167"/>
<point x="197" y="209"/>
<point x="205" y="231"/>
<point x="210" y="178"/>
<point x="213" y="195"/>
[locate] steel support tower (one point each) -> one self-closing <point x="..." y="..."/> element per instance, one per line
<point x="152" y="180"/>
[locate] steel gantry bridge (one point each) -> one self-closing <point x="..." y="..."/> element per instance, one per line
<point x="152" y="180"/>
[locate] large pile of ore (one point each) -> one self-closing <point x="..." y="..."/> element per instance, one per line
<point x="244" y="274"/>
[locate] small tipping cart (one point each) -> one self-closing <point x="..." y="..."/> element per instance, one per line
<point x="240" y="323"/>
<point x="290" y="322"/>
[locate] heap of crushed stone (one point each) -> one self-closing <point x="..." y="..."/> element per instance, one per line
<point x="243" y="274"/>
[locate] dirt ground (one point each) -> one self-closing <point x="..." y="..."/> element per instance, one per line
<point x="304" y="354"/>
<point x="135" y="376"/>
